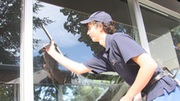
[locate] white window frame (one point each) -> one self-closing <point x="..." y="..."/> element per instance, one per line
<point x="137" y="20"/>
<point x="159" y="9"/>
<point x="26" y="53"/>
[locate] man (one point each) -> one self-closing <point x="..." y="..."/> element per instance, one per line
<point x="124" y="56"/>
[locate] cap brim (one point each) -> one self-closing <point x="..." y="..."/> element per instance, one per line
<point x="85" y="21"/>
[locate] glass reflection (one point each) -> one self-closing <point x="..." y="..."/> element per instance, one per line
<point x="10" y="19"/>
<point x="176" y="40"/>
<point x="57" y="83"/>
<point x="163" y="37"/>
<point x="10" y="15"/>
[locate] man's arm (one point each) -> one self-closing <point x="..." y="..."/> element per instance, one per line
<point x="73" y="66"/>
<point x="147" y="68"/>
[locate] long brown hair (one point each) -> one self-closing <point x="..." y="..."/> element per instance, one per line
<point x="109" y="28"/>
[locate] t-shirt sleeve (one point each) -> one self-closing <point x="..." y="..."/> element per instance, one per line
<point x="127" y="47"/>
<point x="97" y="64"/>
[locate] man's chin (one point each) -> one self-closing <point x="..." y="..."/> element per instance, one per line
<point x="94" y="40"/>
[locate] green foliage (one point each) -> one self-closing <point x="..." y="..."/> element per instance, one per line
<point x="7" y="92"/>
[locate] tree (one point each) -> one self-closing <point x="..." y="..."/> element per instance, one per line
<point x="10" y="26"/>
<point x="73" y="25"/>
<point x="10" y="16"/>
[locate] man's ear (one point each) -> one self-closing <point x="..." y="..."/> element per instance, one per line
<point x="101" y="28"/>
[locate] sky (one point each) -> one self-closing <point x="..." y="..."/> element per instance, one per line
<point x="67" y="42"/>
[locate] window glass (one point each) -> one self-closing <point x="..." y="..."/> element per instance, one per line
<point x="62" y="21"/>
<point x="10" y="19"/>
<point x="10" y="31"/>
<point x="163" y="36"/>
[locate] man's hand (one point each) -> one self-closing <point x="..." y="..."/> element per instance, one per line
<point x="126" y="98"/>
<point x="51" y="48"/>
<point x="138" y="97"/>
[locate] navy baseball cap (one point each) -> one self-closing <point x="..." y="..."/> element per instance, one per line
<point x="99" y="16"/>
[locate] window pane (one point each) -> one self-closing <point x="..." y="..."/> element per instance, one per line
<point x="10" y="19"/>
<point x="163" y="37"/>
<point x="62" y="20"/>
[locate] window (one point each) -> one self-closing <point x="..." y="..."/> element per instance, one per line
<point x="10" y="19"/>
<point x="163" y="36"/>
<point x="62" y="21"/>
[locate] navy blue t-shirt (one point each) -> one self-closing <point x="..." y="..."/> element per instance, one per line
<point x="117" y="56"/>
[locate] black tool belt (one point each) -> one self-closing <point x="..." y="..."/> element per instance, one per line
<point x="156" y="77"/>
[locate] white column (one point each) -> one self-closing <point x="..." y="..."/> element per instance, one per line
<point x="26" y="51"/>
<point x="138" y="20"/>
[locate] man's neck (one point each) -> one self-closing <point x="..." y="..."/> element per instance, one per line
<point x="102" y="41"/>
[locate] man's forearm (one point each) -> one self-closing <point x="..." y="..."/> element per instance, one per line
<point x="73" y="66"/>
